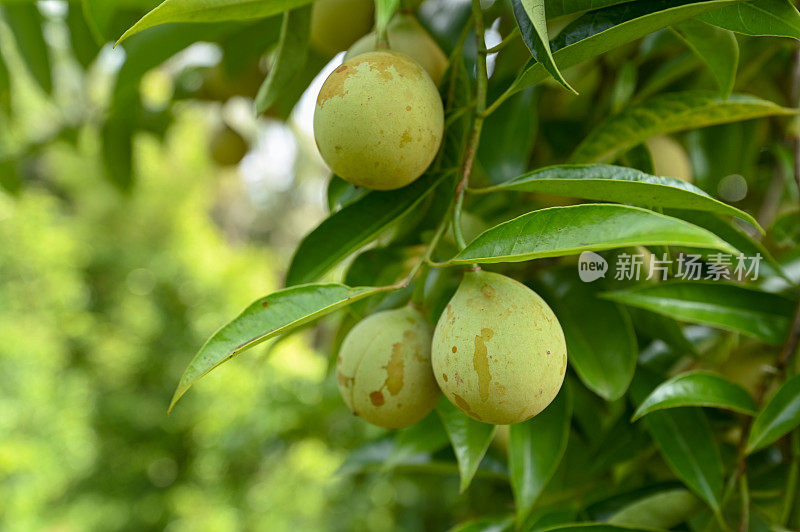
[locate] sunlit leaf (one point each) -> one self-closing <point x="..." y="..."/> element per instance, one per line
<point x="210" y="11"/>
<point x="777" y="18"/>
<point x="732" y="307"/>
<point x="698" y="388"/>
<point x="559" y="231"/>
<point x="778" y="417"/>
<point x="668" y="113"/>
<point x="603" y="182"/>
<point x="269" y="316"/>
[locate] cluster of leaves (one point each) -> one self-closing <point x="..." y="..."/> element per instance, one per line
<point x="660" y="424"/>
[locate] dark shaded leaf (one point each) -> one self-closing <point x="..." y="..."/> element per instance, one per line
<point x="469" y="439"/>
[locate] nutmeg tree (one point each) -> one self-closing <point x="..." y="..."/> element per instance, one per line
<point x="559" y="232"/>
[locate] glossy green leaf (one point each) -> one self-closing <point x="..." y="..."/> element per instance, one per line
<point x="558" y="8"/>
<point x="290" y="58"/>
<point x="424" y="437"/>
<point x="353" y="227"/>
<point x="668" y="113"/>
<point x="559" y="231"/>
<point x="26" y="22"/>
<point x="698" y="388"/>
<point x="210" y="11"/>
<point x="602" y="182"/>
<point x="269" y="316"/>
<point x="487" y="524"/>
<point x="686" y="443"/>
<point x="508" y="136"/>
<point x="778" y="417"/>
<point x="717" y="47"/>
<point x="532" y="23"/>
<point x="594" y="527"/>
<point x="727" y="306"/>
<point x="663" y="510"/>
<point x="600" y="339"/>
<point x="599" y="31"/>
<point x="469" y="439"/>
<point x="777" y="18"/>
<point x="535" y="449"/>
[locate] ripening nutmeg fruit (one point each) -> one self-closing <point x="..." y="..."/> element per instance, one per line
<point x="379" y="120"/>
<point x="384" y="368"/>
<point x="498" y="350"/>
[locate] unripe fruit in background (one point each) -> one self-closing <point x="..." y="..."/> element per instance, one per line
<point x="227" y="147"/>
<point x="498" y="350"/>
<point x="670" y="159"/>
<point x="407" y="36"/>
<point x="384" y="368"/>
<point x="336" y="24"/>
<point x="379" y="120"/>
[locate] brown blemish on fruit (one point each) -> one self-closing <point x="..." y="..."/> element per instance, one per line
<point x="334" y="85"/>
<point x="463" y="405"/>
<point x="444" y="376"/>
<point x="394" y="370"/>
<point x="408" y="107"/>
<point x="480" y="361"/>
<point x="406" y="138"/>
<point x="488" y="291"/>
<point x="455" y="349"/>
<point x="377" y="398"/>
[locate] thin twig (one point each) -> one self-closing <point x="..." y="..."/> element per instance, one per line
<point x="506" y="40"/>
<point x="482" y="76"/>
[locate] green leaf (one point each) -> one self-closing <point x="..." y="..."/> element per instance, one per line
<point x="597" y="32"/>
<point x="469" y="439"/>
<point x="778" y="18"/>
<point x="117" y="149"/>
<point x="558" y="8"/>
<point x="210" y="11"/>
<point x="716" y="47"/>
<point x="508" y="136"/>
<point x="290" y="58"/>
<point x="425" y="437"/>
<point x="559" y="231"/>
<point x="594" y="527"/>
<point x="663" y="510"/>
<point x="778" y="417"/>
<point x="354" y="226"/>
<point x="5" y="85"/>
<point x="727" y="306"/>
<point x="600" y="339"/>
<point x="686" y="443"/>
<point x="698" y="388"/>
<point x="535" y="449"/>
<point x="25" y="22"/>
<point x="269" y="316"/>
<point x="84" y="46"/>
<point x="532" y="22"/>
<point x="603" y="182"/>
<point x="668" y="113"/>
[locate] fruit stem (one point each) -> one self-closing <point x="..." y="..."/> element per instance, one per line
<point x="477" y="123"/>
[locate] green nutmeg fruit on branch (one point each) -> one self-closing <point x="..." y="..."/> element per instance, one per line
<point x="498" y="352"/>
<point x="379" y="120"/>
<point x="384" y="368"/>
